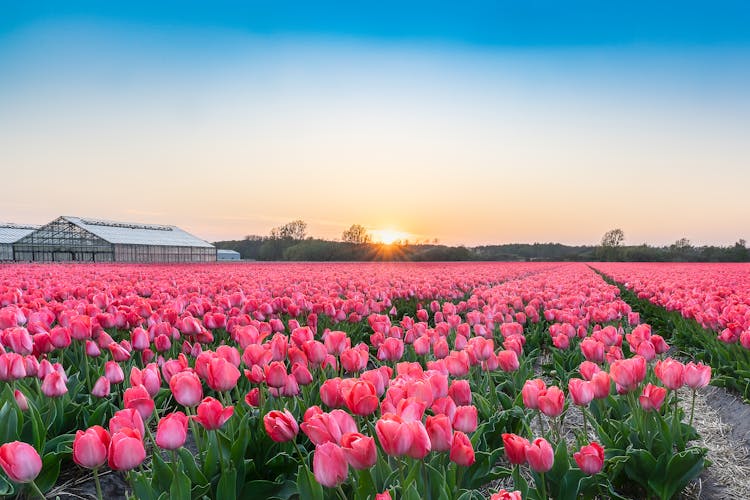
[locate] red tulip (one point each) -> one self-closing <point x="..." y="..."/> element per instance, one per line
<point x="101" y="388"/>
<point x="281" y="426"/>
<point x="600" y="384"/>
<point x="394" y="435"/>
<point x="330" y="393"/>
<point x="329" y="464"/>
<point x="53" y="385"/>
<point x="113" y="372"/>
<point x="275" y="374"/>
<point x="171" y="431"/>
<point x="590" y="458"/>
<point x="211" y="414"/>
<point x="90" y="447"/>
<point x="515" y="448"/>
<point x="628" y="373"/>
<point x="252" y="398"/>
<point x="465" y="419"/>
<point x="530" y="393"/>
<point x="186" y="388"/>
<point x="697" y="375"/>
<point x="222" y="375"/>
<point x="12" y="367"/>
<point x="551" y="401"/>
<point x="126" y="418"/>
<point x="540" y="455"/>
<point x="359" y="450"/>
<point x="652" y="397"/>
<point x="460" y="392"/>
<point x="362" y="399"/>
<point x="420" y="440"/>
<point x="506" y="495"/>
<point x="462" y="451"/>
<point x="126" y="450"/>
<point x="21" y="401"/>
<point x="20" y="461"/>
<point x="580" y="391"/>
<point x="508" y="360"/>
<point x="592" y="350"/>
<point x="670" y="372"/>
<point x="440" y="431"/>
<point x="139" y="399"/>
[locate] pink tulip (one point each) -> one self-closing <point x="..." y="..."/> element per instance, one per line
<point x="329" y="465"/>
<point x="20" y="461"/>
<point x="90" y="447"/>
<point x="171" y="431"/>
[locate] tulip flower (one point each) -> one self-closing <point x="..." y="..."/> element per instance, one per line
<point x="53" y="385"/>
<point x="90" y="447"/>
<point x="362" y="399"/>
<point x="460" y="392"/>
<point x="359" y="450"/>
<point x="508" y="360"/>
<point x="126" y="450"/>
<point x="515" y="448"/>
<point x="628" y="373"/>
<point x="139" y="399"/>
<point x="329" y="464"/>
<point x="465" y="419"/>
<point x="551" y="401"/>
<point x="222" y="375"/>
<point x="697" y="375"/>
<point x="440" y="431"/>
<point x="101" y="388"/>
<point x="171" y="431"/>
<point x="20" y="461"/>
<point x="129" y="418"/>
<point x="211" y="414"/>
<point x="281" y="426"/>
<point x="21" y="401"/>
<point x="113" y="372"/>
<point x="394" y="435"/>
<point x="581" y="391"/>
<point x="506" y="495"/>
<point x="652" y="397"/>
<point x="186" y="388"/>
<point x="419" y="439"/>
<point x="530" y="393"/>
<point x="540" y="455"/>
<point x="462" y="451"/>
<point x="12" y="367"/>
<point x="590" y="458"/>
<point x="330" y="393"/>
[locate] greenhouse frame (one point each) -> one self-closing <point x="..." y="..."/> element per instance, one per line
<point x="11" y="233"/>
<point x="76" y="239"/>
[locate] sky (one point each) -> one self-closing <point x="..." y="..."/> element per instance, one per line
<point x="469" y="122"/>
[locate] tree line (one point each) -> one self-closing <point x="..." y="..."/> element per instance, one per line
<point x="291" y="242"/>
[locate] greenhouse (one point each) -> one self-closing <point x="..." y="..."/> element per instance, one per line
<point x="75" y="239"/>
<point x="9" y="234"/>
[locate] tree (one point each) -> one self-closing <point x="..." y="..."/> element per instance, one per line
<point x="356" y="234"/>
<point x="295" y="230"/>
<point x="613" y="238"/>
<point x="611" y="246"/>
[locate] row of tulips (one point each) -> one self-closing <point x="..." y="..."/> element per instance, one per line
<point x="393" y="397"/>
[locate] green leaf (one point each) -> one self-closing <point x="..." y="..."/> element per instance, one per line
<point x="411" y="493"/>
<point x="227" y="487"/>
<point x="141" y="487"/>
<point x="180" y="489"/>
<point x="161" y="479"/>
<point x="307" y="487"/>
<point x="364" y="486"/>
<point x="681" y="469"/>
<point x="50" y="470"/>
<point x="6" y="487"/>
<point x="261" y="488"/>
<point x="192" y="470"/>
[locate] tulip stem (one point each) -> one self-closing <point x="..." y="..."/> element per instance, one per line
<point x="37" y="490"/>
<point x="98" y="484"/>
<point x="692" y="409"/>
<point x="299" y="454"/>
<point x="585" y="426"/>
<point x="341" y="493"/>
<point x="543" y="485"/>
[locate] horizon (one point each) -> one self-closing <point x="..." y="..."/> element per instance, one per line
<point x="493" y="123"/>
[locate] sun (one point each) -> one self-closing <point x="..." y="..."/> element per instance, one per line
<point x="388" y="236"/>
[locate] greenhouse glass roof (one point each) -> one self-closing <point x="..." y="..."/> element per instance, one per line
<point x="124" y="233"/>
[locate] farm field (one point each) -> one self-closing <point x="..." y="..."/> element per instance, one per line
<point x="377" y="380"/>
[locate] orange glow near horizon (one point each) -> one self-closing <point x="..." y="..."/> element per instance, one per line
<point x="388" y="236"/>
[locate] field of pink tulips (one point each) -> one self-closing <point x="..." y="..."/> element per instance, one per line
<point x="314" y="381"/>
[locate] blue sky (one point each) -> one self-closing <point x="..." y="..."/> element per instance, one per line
<point x="474" y="123"/>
